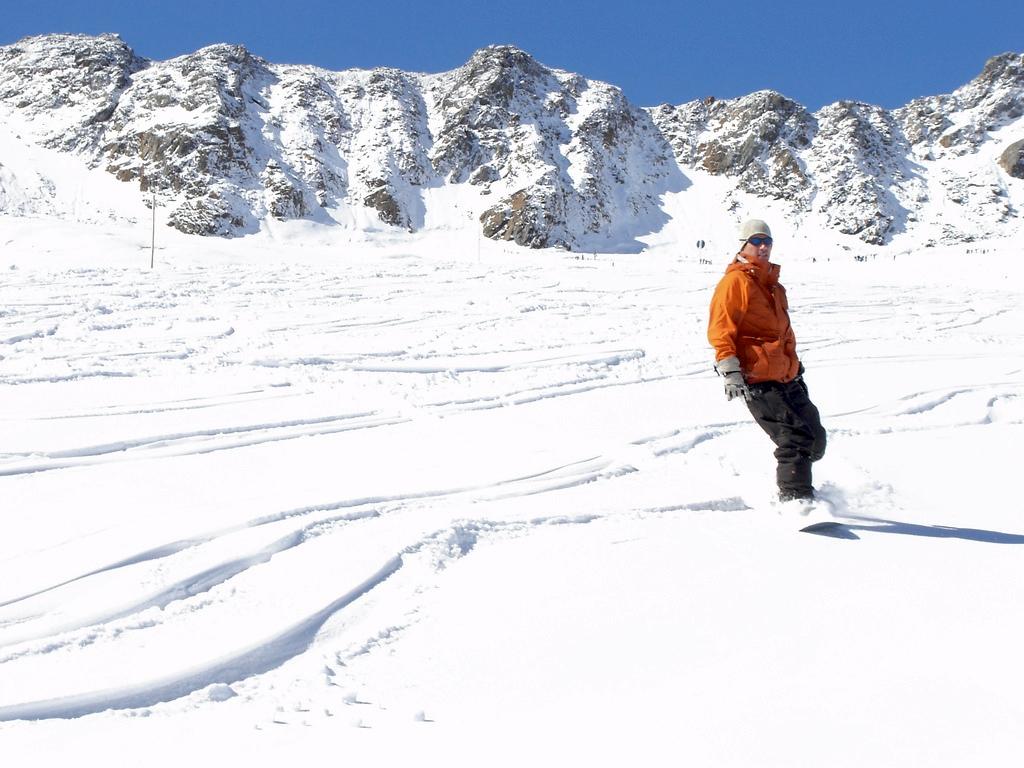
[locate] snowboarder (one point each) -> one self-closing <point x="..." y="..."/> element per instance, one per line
<point x="755" y="350"/>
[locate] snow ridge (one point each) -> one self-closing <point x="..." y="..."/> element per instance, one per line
<point x="545" y="157"/>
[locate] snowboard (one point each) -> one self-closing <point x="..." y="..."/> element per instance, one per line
<point x="822" y="526"/>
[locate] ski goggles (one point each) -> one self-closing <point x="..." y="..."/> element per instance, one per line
<point x="758" y="240"/>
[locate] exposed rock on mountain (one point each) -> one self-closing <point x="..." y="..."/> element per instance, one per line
<point x="571" y="159"/>
<point x="76" y="81"/>
<point x="756" y="139"/>
<point x="961" y="122"/>
<point x="229" y="140"/>
<point x="858" y="164"/>
<point x="1012" y="159"/>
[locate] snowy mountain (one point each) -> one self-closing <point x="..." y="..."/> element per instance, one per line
<point x="335" y="493"/>
<point x="230" y="141"/>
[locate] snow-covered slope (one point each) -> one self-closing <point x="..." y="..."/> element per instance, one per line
<point x="281" y="501"/>
<point x="549" y="158"/>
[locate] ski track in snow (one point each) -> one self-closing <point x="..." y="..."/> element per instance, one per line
<point x="456" y="540"/>
<point x="346" y="350"/>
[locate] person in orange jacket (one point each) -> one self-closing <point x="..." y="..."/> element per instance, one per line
<point x="755" y="350"/>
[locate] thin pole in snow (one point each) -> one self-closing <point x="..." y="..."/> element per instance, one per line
<point x="152" y="246"/>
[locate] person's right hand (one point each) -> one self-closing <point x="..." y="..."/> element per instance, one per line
<point x="735" y="386"/>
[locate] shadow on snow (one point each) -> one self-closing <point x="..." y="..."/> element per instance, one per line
<point x="879" y="525"/>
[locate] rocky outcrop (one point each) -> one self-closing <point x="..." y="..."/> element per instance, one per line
<point x="523" y="218"/>
<point x="859" y="169"/>
<point x="556" y="149"/>
<point x="191" y="127"/>
<point x="490" y="108"/>
<point x="844" y="162"/>
<point x="992" y="100"/>
<point x="554" y="159"/>
<point x="757" y="140"/>
<point x="76" y="80"/>
<point x="1012" y="159"/>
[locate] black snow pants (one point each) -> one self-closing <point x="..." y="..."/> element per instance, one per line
<point x="787" y="415"/>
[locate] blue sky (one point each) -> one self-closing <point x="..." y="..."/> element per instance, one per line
<point x="657" y="51"/>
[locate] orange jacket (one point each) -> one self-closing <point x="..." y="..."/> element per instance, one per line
<point x="749" y="318"/>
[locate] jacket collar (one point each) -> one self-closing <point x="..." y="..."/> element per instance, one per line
<point x="765" y="275"/>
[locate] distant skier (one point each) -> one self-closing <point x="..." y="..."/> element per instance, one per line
<point x="755" y="350"/>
